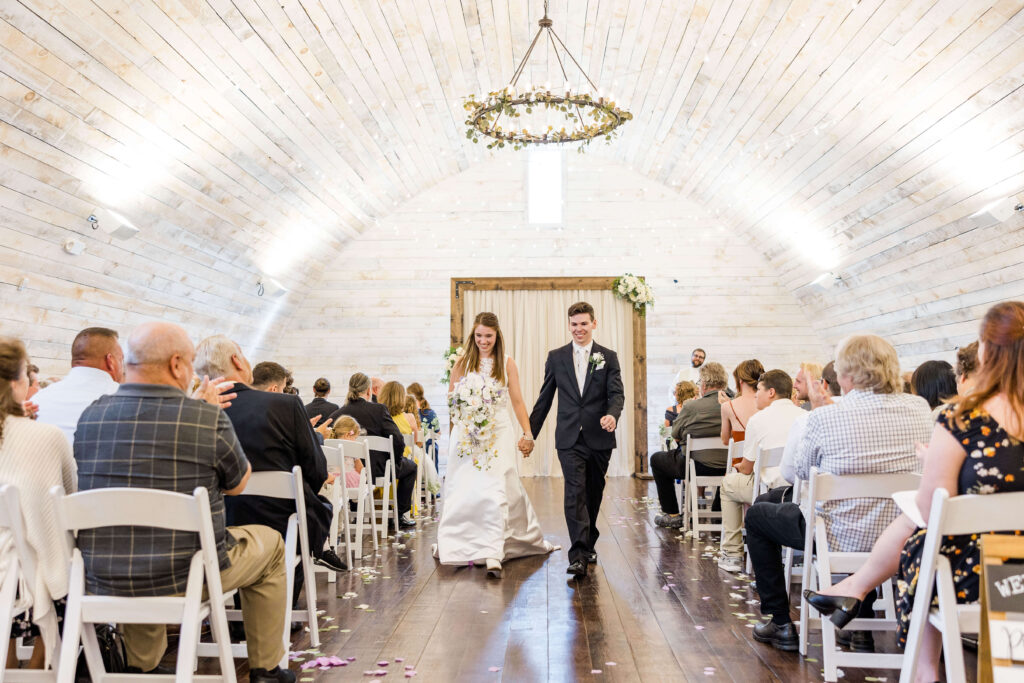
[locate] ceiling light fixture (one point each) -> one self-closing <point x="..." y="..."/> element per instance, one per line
<point x="511" y="104"/>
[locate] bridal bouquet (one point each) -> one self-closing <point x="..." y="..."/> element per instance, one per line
<point x="634" y="289"/>
<point x="451" y="357"/>
<point x="473" y="405"/>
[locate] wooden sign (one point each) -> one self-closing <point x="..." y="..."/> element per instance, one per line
<point x="1001" y="642"/>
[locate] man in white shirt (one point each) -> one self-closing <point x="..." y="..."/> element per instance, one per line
<point x="828" y="394"/>
<point x="767" y="429"/>
<point x="692" y="373"/>
<point x="97" y="368"/>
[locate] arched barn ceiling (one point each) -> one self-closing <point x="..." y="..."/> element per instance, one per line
<point x="259" y="136"/>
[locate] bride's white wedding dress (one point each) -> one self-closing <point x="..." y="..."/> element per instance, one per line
<point x="485" y="514"/>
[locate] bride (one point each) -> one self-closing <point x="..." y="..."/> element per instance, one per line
<point x="485" y="513"/>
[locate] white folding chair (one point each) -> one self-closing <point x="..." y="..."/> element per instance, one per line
<point x="763" y="459"/>
<point x="693" y="481"/>
<point x="21" y="570"/>
<point x="287" y="486"/>
<point x="686" y="490"/>
<point x="388" y="483"/>
<point x="956" y="516"/>
<point x="342" y="494"/>
<point x="145" y="508"/>
<point x="827" y="562"/>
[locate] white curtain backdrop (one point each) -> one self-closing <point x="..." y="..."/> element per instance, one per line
<point x="533" y="323"/>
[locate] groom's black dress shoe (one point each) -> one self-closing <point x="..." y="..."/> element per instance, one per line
<point x="591" y="558"/>
<point x="578" y="569"/>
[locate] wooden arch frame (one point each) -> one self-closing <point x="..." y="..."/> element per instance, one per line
<point x="639" y="408"/>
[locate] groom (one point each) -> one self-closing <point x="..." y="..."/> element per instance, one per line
<point x="590" y="400"/>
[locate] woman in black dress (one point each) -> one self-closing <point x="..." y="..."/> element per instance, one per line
<point x="976" y="448"/>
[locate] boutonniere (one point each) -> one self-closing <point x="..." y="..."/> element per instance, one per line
<point x="596" y="361"/>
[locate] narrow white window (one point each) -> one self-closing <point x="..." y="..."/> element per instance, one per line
<point x="545" y="185"/>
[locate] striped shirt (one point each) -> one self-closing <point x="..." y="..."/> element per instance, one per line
<point x="153" y="436"/>
<point x="866" y="433"/>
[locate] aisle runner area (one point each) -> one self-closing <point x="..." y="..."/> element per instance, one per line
<point x="657" y="608"/>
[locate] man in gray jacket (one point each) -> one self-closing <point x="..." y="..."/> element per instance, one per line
<point x="700" y="417"/>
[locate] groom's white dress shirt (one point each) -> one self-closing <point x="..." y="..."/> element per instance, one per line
<point x="580" y="357"/>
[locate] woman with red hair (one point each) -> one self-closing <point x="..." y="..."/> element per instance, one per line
<point x="975" y="448"/>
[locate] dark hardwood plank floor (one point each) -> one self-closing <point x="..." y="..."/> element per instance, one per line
<point x="653" y="609"/>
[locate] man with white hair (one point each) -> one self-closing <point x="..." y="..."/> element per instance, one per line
<point x="873" y="430"/>
<point x="150" y="434"/>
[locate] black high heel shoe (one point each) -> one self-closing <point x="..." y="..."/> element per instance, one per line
<point x="841" y="610"/>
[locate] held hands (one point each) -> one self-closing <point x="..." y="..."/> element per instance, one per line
<point x="608" y="423"/>
<point x="526" y="446"/>
<point x="215" y="391"/>
<point x="723" y="398"/>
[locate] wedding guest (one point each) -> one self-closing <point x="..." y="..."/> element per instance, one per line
<point x="276" y="436"/>
<point x="768" y="428"/>
<point x="428" y="418"/>
<point x="376" y="384"/>
<point x="150" y="434"/>
<point x="320" y="407"/>
<point x="809" y="372"/>
<point x="989" y="420"/>
<point x="33" y="381"/>
<point x="825" y="392"/>
<point x="348" y="429"/>
<point x="872" y="430"/>
<point x="966" y="368"/>
<point x="736" y="412"/>
<point x="376" y="420"/>
<point x="691" y="373"/>
<point x="34" y="457"/>
<point x="97" y="368"/>
<point x="935" y="382"/>
<point x="682" y="392"/>
<point x="392" y="397"/>
<point x="698" y="418"/>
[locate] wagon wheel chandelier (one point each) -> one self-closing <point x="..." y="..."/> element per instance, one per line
<point x="587" y="117"/>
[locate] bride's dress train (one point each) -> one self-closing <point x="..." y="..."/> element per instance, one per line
<point x="486" y="514"/>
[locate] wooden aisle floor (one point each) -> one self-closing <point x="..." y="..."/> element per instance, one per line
<point x="653" y="609"/>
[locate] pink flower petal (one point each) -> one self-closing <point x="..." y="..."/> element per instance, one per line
<point x="494" y="668"/>
<point x="595" y="671"/>
<point x="399" y="659"/>
<point x="383" y="663"/>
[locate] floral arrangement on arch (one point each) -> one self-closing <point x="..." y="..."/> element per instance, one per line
<point x="451" y="356"/>
<point x="635" y="290"/>
<point x="473" y="404"/>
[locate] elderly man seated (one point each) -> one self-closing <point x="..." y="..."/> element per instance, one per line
<point x="767" y="429"/>
<point x="698" y="418"/>
<point x="872" y="431"/>
<point x="150" y="434"/>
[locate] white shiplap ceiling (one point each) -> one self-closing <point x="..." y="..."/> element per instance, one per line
<point x="262" y="134"/>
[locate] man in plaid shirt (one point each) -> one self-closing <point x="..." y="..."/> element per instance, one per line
<point x="150" y="434"/>
<point x="873" y="430"/>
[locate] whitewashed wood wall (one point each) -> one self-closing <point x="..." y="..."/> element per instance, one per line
<point x="383" y="307"/>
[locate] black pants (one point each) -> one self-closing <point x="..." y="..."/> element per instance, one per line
<point x="406" y="476"/>
<point x="771" y="525"/>
<point x="667" y="466"/>
<point x="584" y="470"/>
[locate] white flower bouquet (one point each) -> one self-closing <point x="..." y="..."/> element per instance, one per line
<point x="451" y="357"/>
<point x="634" y="289"/>
<point x="473" y="405"/>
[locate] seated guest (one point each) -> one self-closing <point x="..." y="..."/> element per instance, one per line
<point x="825" y="392"/>
<point x="97" y="367"/>
<point x="412" y="416"/>
<point x="767" y="428"/>
<point x="376" y="420"/>
<point x="808" y="372"/>
<point x="33" y="381"/>
<point x="348" y="429"/>
<point x="150" y="434"/>
<point x="701" y="417"/>
<point x="33" y="458"/>
<point x="320" y="407"/>
<point x="682" y="392"/>
<point x="935" y="382"/>
<point x="376" y="384"/>
<point x="966" y="368"/>
<point x="989" y="420"/>
<point x="871" y="431"/>
<point x="276" y="436"/>
<point x="737" y="411"/>
<point x="427" y="416"/>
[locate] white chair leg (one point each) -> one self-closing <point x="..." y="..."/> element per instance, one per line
<point x="807" y="584"/>
<point x="8" y="593"/>
<point x="91" y="647"/>
<point x="828" y="650"/>
<point x="310" y="577"/>
<point x="188" y="641"/>
<point x="373" y="521"/>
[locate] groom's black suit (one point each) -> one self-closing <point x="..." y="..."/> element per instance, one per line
<point x="584" y="447"/>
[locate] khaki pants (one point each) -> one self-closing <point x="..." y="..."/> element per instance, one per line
<point x="257" y="571"/>
<point x="736" y="492"/>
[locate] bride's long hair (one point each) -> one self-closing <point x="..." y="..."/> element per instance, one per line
<point x="470" y="362"/>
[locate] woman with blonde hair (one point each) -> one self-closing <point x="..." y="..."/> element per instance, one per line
<point x="348" y="428"/>
<point x="427" y="418"/>
<point x="487" y="516"/>
<point x="976" y="448"/>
